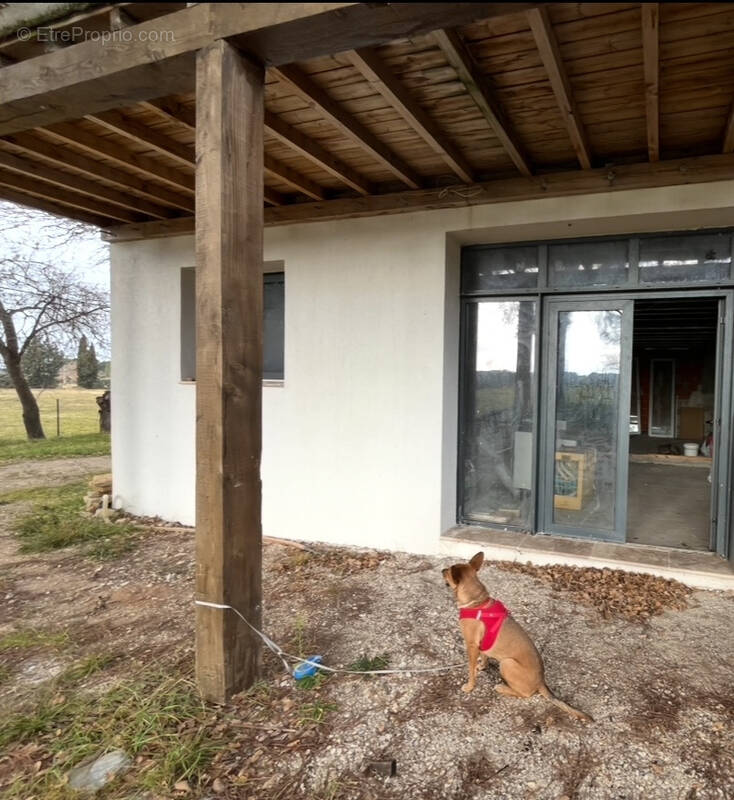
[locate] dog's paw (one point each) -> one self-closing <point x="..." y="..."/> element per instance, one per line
<point x="467" y="688"/>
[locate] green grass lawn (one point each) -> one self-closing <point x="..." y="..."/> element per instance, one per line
<point x="79" y="425"/>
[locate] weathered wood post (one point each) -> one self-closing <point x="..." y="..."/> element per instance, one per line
<point x="229" y="296"/>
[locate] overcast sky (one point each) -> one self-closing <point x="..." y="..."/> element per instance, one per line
<point x="45" y="238"/>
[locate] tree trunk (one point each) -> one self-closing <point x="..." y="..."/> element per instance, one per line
<point x="31" y="415"/>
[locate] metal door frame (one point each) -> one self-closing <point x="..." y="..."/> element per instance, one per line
<point x="546" y="484"/>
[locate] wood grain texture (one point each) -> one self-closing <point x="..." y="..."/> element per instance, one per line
<point x="52" y="208"/>
<point x="346" y="123"/>
<point x="550" y="54"/>
<point x="650" y="52"/>
<point x="460" y="59"/>
<point x="644" y="175"/>
<point x="368" y="62"/>
<point x="229" y="300"/>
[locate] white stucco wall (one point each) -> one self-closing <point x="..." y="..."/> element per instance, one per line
<point x="359" y="444"/>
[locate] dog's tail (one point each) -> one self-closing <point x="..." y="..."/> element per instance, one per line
<point x="574" y="712"/>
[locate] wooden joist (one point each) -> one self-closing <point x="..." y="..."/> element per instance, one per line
<point x="699" y="169"/>
<point x="74" y="135"/>
<point x="142" y="134"/>
<point x="475" y="84"/>
<point x="171" y="110"/>
<point x="369" y="63"/>
<point x="318" y="99"/>
<point x="65" y="197"/>
<point x="156" y="58"/>
<point x="651" y="60"/>
<point x="299" y="182"/>
<point x="49" y="207"/>
<point x="229" y="314"/>
<point x="61" y="156"/>
<point x="729" y="132"/>
<point x="550" y="54"/>
<point x="64" y="180"/>
<point x="313" y="151"/>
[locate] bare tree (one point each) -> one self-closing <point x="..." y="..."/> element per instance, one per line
<point x="41" y="298"/>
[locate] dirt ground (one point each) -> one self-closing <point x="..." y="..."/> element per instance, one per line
<point x="660" y="690"/>
<point x="53" y="472"/>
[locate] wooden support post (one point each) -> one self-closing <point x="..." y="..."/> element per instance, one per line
<point x="229" y="297"/>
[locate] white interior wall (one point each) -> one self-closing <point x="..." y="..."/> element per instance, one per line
<point x="359" y="443"/>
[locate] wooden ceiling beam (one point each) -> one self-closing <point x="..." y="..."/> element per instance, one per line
<point x="52" y="208"/>
<point x="85" y="78"/>
<point x="651" y="58"/>
<point x="369" y="63"/>
<point x="459" y="57"/>
<point x="309" y="149"/>
<point x="68" y="198"/>
<point x="61" y="156"/>
<point x="318" y="99"/>
<point x="100" y="146"/>
<point x="172" y="111"/>
<point x="550" y="54"/>
<point x="696" y="170"/>
<point x="729" y="132"/>
<point x="64" y="180"/>
<point x="293" y="178"/>
<point x="142" y="134"/>
<point x="273" y="197"/>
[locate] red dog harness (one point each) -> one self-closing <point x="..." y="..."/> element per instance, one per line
<point x="492" y="616"/>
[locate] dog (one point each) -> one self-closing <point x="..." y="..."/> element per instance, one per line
<point x="490" y="632"/>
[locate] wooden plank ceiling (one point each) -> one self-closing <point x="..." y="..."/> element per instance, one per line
<point x="564" y="87"/>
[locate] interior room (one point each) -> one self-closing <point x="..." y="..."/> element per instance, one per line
<point x="672" y="405"/>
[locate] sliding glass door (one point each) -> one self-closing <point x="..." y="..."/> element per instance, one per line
<point x="586" y="403"/>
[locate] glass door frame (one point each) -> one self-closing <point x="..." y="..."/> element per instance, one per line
<point x="465" y="363"/>
<point x="552" y="307"/>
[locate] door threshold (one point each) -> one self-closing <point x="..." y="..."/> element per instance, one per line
<point x="699" y="569"/>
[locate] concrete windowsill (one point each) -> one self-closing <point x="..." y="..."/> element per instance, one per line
<point x="696" y="568"/>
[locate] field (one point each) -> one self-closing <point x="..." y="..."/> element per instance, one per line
<point x="79" y="425"/>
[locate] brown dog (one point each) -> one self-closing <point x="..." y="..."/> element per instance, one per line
<point x="489" y="632"/>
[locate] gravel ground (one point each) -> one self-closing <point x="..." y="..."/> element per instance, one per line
<point x="660" y="690"/>
<point x="660" y="693"/>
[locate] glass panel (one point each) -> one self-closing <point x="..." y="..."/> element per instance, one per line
<point x="273" y="325"/>
<point x="588" y="263"/>
<point x="498" y="413"/>
<point x="499" y="268"/>
<point x="587" y="406"/>
<point x="662" y="397"/>
<point x="670" y="259"/>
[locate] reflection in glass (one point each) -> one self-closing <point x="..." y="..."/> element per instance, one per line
<point x="698" y="257"/>
<point x="486" y="268"/>
<point x="499" y="409"/>
<point x="587" y="402"/>
<point x="588" y="263"/>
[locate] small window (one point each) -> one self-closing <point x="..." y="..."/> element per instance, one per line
<point x="273" y="324"/>
<point x="674" y="259"/>
<point x="588" y="263"/>
<point x="486" y="268"/>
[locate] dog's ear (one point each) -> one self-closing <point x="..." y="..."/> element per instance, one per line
<point x="477" y="561"/>
<point x="456" y="574"/>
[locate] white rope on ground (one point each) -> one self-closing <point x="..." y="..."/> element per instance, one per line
<point x="282" y="655"/>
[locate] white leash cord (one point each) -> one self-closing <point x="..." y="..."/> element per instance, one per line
<point x="282" y="655"/>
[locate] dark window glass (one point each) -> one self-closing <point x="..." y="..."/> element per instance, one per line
<point x="274" y="325"/>
<point x="671" y="259"/>
<point x="588" y="263"/>
<point x="499" y="268"/>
